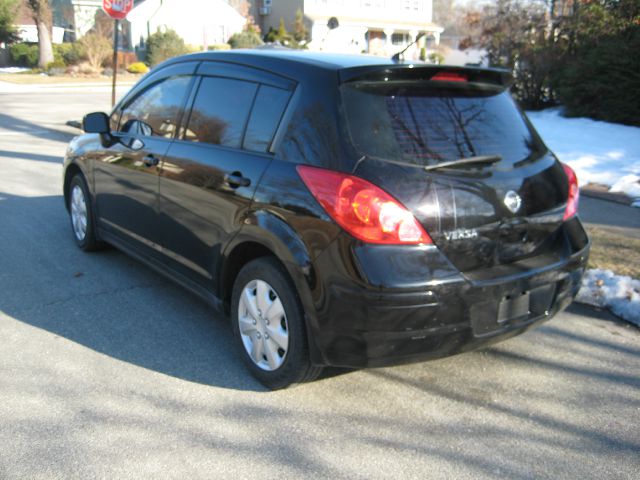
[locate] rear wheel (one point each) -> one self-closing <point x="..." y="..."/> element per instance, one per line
<point x="268" y="322"/>
<point x="81" y="215"/>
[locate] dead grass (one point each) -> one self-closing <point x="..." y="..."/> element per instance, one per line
<point x="615" y="252"/>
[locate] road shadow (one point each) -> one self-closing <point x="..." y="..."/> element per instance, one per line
<point x="125" y="310"/>
<point x="31" y="156"/>
<point x="500" y="412"/>
<point x="107" y="301"/>
<point x="16" y="124"/>
<point x="498" y="383"/>
<point x="599" y="313"/>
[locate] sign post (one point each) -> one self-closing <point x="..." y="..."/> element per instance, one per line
<point x="118" y="10"/>
<point x="114" y="63"/>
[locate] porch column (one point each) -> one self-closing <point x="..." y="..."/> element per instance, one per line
<point x="389" y="32"/>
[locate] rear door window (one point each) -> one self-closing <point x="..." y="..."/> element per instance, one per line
<point x="267" y="112"/>
<point x="425" y="125"/>
<point x="220" y="111"/>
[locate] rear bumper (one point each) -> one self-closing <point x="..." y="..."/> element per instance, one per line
<point x="369" y="318"/>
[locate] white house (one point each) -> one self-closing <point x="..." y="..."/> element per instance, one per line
<point x="29" y="33"/>
<point x="198" y="22"/>
<point x="380" y="27"/>
<point x="74" y="17"/>
<point x="84" y="13"/>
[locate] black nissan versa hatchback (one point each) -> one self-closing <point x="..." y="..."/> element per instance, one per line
<point x="345" y="210"/>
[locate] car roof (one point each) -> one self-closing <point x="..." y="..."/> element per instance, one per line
<point x="293" y="63"/>
<point x="282" y="57"/>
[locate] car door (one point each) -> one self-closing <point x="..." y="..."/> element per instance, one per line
<point x="126" y="175"/>
<point x="211" y="171"/>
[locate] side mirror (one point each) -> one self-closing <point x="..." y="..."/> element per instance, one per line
<point x="132" y="130"/>
<point x="96" y="122"/>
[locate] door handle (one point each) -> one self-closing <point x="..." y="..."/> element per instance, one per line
<point x="151" y="160"/>
<point x="235" y="180"/>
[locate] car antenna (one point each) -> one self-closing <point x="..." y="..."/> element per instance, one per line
<point x="399" y="57"/>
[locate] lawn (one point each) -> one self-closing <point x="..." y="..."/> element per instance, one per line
<point x="615" y="252"/>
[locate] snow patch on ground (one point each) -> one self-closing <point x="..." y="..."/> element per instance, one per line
<point x="599" y="152"/>
<point x="629" y="184"/>
<point x="620" y="294"/>
<point x="14" y="70"/>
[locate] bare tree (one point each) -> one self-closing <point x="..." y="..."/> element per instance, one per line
<point x="97" y="48"/>
<point x="41" y="11"/>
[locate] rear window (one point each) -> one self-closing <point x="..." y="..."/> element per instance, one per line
<point x="425" y="125"/>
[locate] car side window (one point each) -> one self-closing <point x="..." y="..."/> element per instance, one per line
<point x="265" y="117"/>
<point x="220" y="111"/>
<point x="158" y="107"/>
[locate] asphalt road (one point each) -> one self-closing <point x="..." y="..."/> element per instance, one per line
<point x="611" y="216"/>
<point x="109" y="371"/>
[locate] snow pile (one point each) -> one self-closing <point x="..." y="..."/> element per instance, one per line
<point x="620" y="294"/>
<point x="599" y="152"/>
<point x="629" y="184"/>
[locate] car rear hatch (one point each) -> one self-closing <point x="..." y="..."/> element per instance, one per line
<point x="412" y="125"/>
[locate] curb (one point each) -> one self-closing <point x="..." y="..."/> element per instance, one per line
<point x="45" y="86"/>
<point x="601" y="192"/>
<point x="603" y="311"/>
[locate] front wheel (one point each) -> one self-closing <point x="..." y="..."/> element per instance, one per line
<point x="81" y="215"/>
<point x="268" y="322"/>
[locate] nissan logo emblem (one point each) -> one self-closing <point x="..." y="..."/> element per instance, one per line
<point x="513" y="201"/>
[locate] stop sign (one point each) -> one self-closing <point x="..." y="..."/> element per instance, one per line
<point x="117" y="9"/>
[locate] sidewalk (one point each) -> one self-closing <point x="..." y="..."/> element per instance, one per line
<point x="602" y="192"/>
<point x="8" y="87"/>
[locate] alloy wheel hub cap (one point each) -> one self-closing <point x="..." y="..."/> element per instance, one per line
<point x="78" y="213"/>
<point x="263" y="325"/>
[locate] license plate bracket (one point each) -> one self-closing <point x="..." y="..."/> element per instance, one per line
<point x="514" y="306"/>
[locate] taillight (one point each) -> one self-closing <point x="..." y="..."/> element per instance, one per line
<point x="364" y="210"/>
<point x="450" y="77"/>
<point x="574" y="192"/>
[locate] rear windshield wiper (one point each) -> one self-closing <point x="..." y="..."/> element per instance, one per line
<point x="465" y="161"/>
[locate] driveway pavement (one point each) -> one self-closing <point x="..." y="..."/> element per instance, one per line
<point x="109" y="371"/>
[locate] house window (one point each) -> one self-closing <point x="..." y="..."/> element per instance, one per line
<point x="399" y="39"/>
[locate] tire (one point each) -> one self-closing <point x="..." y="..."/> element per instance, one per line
<point x="268" y="323"/>
<point x="81" y="215"/>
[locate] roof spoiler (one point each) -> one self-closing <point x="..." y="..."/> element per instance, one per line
<point x="428" y="73"/>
